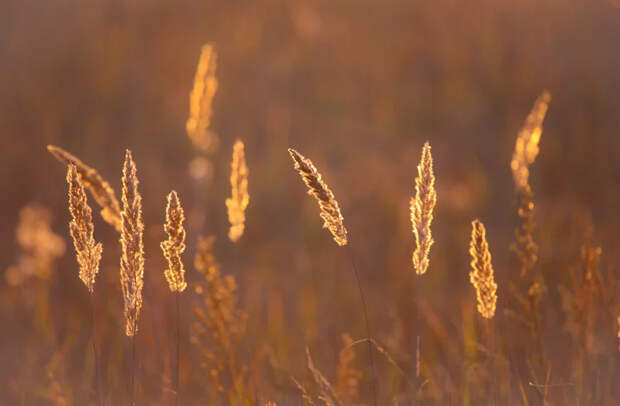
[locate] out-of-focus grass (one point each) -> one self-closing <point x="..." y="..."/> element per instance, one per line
<point x="359" y="86"/>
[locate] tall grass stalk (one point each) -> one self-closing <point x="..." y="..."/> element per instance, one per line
<point x="178" y="348"/>
<point x="416" y="348"/>
<point x="98" y="386"/>
<point x="367" y="322"/>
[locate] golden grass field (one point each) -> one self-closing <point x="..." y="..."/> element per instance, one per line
<point x="310" y="203"/>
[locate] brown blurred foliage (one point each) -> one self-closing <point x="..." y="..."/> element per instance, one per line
<point x="359" y="86"/>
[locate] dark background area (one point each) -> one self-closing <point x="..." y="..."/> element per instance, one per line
<point x="358" y="87"/>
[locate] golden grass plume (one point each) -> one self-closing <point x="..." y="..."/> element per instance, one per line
<point x="201" y="100"/>
<point x="101" y="190"/>
<point x="87" y="250"/>
<point x="132" y="258"/>
<point x="240" y="198"/>
<point x="330" y="211"/>
<point x="526" y="145"/>
<point x="481" y="275"/>
<point x="421" y="207"/>
<point x="174" y="246"/>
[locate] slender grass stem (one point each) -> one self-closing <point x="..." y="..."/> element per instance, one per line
<point x="491" y="358"/>
<point x="364" y="308"/>
<point x="416" y="349"/>
<point x="132" y="377"/>
<point x="178" y="343"/>
<point x="95" y="356"/>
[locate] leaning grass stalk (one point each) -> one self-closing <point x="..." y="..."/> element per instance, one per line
<point x="365" y="310"/>
<point x="101" y="190"/>
<point x="334" y="222"/>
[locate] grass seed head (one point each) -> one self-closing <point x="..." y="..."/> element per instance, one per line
<point x="132" y="258"/>
<point x="174" y="246"/>
<point x="330" y="211"/>
<point x="240" y="198"/>
<point x="481" y="274"/>
<point x="87" y="250"/>
<point x="421" y="206"/>
<point x="101" y="190"/>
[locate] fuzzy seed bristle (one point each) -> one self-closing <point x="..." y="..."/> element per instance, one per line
<point x="481" y="275"/>
<point x="239" y="200"/>
<point x="421" y="207"/>
<point x="87" y="250"/>
<point x="330" y="211"/>
<point x="101" y="190"/>
<point x="174" y="246"/>
<point x="132" y="259"/>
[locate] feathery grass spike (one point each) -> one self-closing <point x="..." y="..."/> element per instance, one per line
<point x="330" y="211"/>
<point x="101" y="190"/>
<point x="87" y="250"/>
<point x="481" y="275"/>
<point x="132" y="258"/>
<point x="239" y="199"/>
<point x="201" y="99"/>
<point x="174" y="246"/>
<point x="421" y="207"/>
<point x="526" y="145"/>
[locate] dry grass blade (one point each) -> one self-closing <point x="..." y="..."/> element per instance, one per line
<point x="526" y="146"/>
<point x="348" y="376"/>
<point x="101" y="190"/>
<point x="304" y="392"/>
<point x="239" y="199"/>
<point x="328" y="394"/>
<point x="421" y="207"/>
<point x="201" y="100"/>
<point x="481" y="275"/>
<point x="132" y="259"/>
<point x="330" y="211"/>
<point x="174" y="246"/>
<point x="381" y="350"/>
<point x="87" y="250"/>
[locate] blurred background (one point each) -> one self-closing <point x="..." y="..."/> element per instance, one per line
<point x="358" y="87"/>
